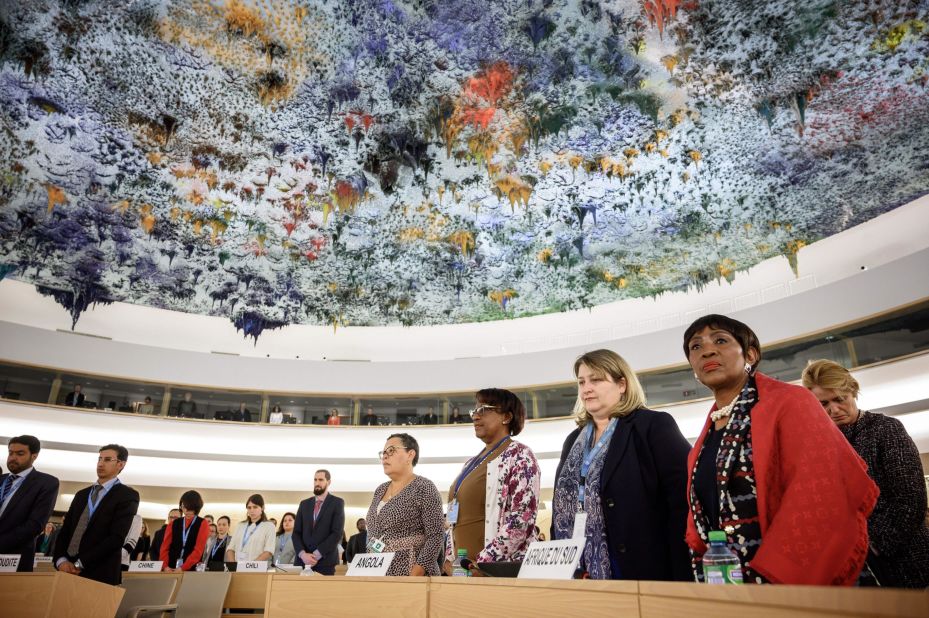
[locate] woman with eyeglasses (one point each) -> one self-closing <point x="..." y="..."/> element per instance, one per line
<point x="253" y="539"/>
<point x="405" y="515"/>
<point x="621" y="478"/>
<point x="494" y="500"/>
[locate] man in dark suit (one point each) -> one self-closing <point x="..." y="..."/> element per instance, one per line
<point x="27" y="498"/>
<point x="358" y="543"/>
<point x="159" y="535"/>
<point x="319" y="527"/>
<point x="75" y="398"/>
<point x="91" y="540"/>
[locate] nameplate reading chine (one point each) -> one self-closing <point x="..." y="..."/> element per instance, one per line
<point x="8" y="563"/>
<point x="147" y="566"/>
<point x="370" y="565"/>
<point x="552" y="559"/>
<point x="251" y="566"/>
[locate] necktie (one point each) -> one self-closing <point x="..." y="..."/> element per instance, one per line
<point x="316" y="508"/>
<point x="81" y="526"/>
<point x="7" y="485"/>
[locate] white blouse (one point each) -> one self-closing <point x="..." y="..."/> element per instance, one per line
<point x="260" y="539"/>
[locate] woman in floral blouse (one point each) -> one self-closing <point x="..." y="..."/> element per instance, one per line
<point x="495" y="498"/>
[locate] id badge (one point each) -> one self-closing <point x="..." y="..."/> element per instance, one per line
<point x="452" y="515"/>
<point x="377" y="546"/>
<point x="580" y="525"/>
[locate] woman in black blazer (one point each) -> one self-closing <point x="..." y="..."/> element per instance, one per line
<point x="625" y="468"/>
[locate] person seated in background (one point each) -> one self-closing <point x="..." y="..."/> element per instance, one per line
<point x="277" y="415"/>
<point x="75" y="398"/>
<point x="284" y="543"/>
<point x="147" y="407"/>
<point x="456" y="417"/>
<point x="430" y="418"/>
<point x="45" y="542"/>
<point x="370" y="418"/>
<point x="187" y="407"/>
<point x="334" y="417"/>
<point x="898" y="533"/>
<point x="254" y="537"/>
<point x="186" y="537"/>
<point x="243" y="414"/>
<point x="405" y="515"/>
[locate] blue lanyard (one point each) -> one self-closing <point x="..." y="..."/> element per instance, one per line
<point x="185" y="532"/>
<point x="590" y="454"/>
<point x="247" y="535"/>
<point x="216" y="545"/>
<point x="91" y="507"/>
<point x="475" y="463"/>
<point x="284" y="539"/>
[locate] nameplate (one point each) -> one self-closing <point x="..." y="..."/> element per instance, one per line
<point x="150" y="566"/>
<point x="370" y="565"/>
<point x="251" y="566"/>
<point x="552" y="559"/>
<point x="8" y="563"/>
<point x="41" y="558"/>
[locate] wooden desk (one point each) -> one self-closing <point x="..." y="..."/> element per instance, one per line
<point x="246" y="591"/>
<point x="671" y="600"/>
<point x="454" y="596"/>
<point x="290" y="596"/>
<point x="58" y="595"/>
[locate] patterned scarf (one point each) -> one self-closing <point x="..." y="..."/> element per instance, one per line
<point x="596" y="557"/>
<point x="735" y="481"/>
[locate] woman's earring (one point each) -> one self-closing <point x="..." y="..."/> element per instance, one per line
<point x="748" y="367"/>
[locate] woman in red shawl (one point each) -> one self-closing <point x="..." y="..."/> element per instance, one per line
<point x="771" y="470"/>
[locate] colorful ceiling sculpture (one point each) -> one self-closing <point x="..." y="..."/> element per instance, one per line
<point x="371" y="162"/>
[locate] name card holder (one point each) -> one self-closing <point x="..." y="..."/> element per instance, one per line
<point x="145" y="566"/>
<point x="251" y="566"/>
<point x="9" y="563"/>
<point x="370" y="565"/>
<point x="552" y="559"/>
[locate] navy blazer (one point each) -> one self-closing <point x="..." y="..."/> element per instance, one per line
<point x="100" y="551"/>
<point x="26" y="515"/>
<point x="643" y="489"/>
<point x="324" y="535"/>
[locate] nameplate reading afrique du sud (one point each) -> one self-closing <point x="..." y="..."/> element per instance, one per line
<point x="9" y="563"/>
<point x="370" y="565"/>
<point x="552" y="559"/>
<point x="147" y="566"/>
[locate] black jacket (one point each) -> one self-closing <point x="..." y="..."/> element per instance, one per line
<point x="100" y="551"/>
<point x="357" y="544"/>
<point x="643" y="489"/>
<point x="325" y="534"/>
<point x="26" y="515"/>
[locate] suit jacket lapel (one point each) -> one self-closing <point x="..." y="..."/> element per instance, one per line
<point x="21" y="491"/>
<point x="618" y="446"/>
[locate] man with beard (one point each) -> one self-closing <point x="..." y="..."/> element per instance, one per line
<point x="319" y="526"/>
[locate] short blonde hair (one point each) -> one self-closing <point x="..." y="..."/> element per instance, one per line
<point x="605" y="363"/>
<point x="831" y="375"/>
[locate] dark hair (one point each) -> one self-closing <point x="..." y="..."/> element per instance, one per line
<point x="257" y="500"/>
<point x="122" y="453"/>
<point x="505" y="402"/>
<point x="741" y="332"/>
<point x="226" y="517"/>
<point x="324" y="472"/>
<point x="280" y="529"/>
<point x="409" y="443"/>
<point x="30" y="442"/>
<point x="192" y="501"/>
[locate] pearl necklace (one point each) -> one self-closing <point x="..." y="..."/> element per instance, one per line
<point x="724" y="411"/>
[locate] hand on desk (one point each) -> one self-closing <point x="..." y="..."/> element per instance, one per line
<point x="68" y="567"/>
<point x="417" y="571"/>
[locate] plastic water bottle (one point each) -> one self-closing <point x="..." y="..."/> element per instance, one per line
<point x="720" y="564"/>
<point x="457" y="569"/>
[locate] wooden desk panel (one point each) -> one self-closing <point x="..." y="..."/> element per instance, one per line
<point x="247" y="590"/>
<point x="295" y="596"/>
<point x="450" y="596"/>
<point x="671" y="600"/>
<point x="41" y="595"/>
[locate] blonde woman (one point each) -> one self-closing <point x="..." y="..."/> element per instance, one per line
<point x="898" y="551"/>
<point x="623" y="477"/>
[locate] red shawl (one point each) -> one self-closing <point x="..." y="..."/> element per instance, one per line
<point x="814" y="493"/>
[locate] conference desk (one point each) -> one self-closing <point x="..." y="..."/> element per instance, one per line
<point x="36" y="595"/>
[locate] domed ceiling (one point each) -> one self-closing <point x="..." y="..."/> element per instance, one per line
<point x="372" y="162"/>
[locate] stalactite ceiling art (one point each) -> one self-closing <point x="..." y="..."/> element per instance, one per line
<point x="388" y="162"/>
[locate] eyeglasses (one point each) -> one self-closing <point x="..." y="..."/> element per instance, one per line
<point x="107" y="459"/>
<point x="389" y="451"/>
<point x="479" y="411"/>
